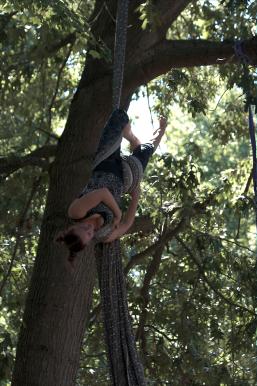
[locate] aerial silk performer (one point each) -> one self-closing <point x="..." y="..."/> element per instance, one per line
<point x="97" y="218"/>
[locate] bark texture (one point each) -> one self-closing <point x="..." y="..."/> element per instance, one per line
<point x="59" y="300"/>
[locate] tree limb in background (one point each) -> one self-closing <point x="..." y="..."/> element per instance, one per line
<point x="57" y="85"/>
<point x="143" y="225"/>
<point x="172" y="231"/>
<point x="151" y="271"/>
<point x="136" y="259"/>
<point x="18" y="232"/>
<point x="37" y="53"/>
<point x="39" y="157"/>
<point x="210" y="284"/>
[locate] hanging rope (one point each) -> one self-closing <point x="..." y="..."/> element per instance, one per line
<point x="119" y="51"/>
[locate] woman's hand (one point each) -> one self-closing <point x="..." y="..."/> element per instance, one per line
<point x="163" y="123"/>
<point x="120" y="229"/>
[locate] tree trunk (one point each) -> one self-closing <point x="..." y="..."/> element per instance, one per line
<point x="59" y="299"/>
<point x="53" y="327"/>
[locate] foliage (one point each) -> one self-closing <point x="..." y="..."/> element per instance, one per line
<point x="199" y="321"/>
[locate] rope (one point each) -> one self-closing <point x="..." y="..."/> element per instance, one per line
<point x="119" y="51"/>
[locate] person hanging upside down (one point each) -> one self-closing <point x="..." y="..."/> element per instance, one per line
<point x="96" y="212"/>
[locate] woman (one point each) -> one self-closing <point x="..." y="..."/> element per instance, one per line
<point x="97" y="208"/>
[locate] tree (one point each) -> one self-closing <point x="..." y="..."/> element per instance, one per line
<point x="58" y="302"/>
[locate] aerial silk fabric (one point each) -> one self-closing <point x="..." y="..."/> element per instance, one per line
<point x="111" y="136"/>
<point x="124" y="362"/>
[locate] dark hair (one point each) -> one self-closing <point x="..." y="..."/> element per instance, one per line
<point x="73" y="242"/>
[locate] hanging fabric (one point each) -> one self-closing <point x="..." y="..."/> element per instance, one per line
<point x="119" y="51"/>
<point x="124" y="363"/>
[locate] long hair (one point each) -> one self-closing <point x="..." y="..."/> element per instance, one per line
<point x="72" y="241"/>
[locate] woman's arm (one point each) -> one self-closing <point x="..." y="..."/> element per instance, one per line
<point x="158" y="134"/>
<point x="128" y="219"/>
<point x="80" y="206"/>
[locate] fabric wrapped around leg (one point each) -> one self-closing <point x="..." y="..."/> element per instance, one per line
<point x="111" y="136"/>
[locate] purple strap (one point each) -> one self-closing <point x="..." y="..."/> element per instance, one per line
<point x="240" y="53"/>
<point x="253" y="143"/>
<point x="246" y="60"/>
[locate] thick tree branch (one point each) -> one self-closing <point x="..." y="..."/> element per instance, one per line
<point x="247" y="186"/>
<point x="154" y="328"/>
<point x="138" y="40"/>
<point x="184" y="53"/>
<point x="143" y="225"/>
<point x="165" y="13"/>
<point x="39" y="157"/>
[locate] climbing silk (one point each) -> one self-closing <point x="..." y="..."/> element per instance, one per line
<point x="124" y="363"/>
<point x="119" y="51"/>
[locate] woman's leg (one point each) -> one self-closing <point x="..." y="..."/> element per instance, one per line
<point x="130" y="136"/>
<point x="155" y="140"/>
